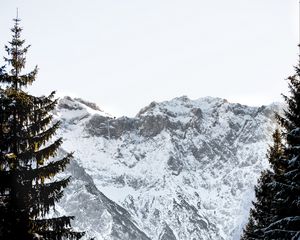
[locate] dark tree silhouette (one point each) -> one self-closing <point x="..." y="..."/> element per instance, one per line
<point x="27" y="165"/>
<point x="276" y="213"/>
<point x="260" y="214"/>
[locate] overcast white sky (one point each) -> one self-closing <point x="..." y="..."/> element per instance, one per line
<point x="123" y="54"/>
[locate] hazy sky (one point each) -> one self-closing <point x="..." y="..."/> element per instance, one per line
<point x="123" y="54"/>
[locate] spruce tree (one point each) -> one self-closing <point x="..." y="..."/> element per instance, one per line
<point x="27" y="155"/>
<point x="278" y="198"/>
<point x="260" y="215"/>
<point x="285" y="207"/>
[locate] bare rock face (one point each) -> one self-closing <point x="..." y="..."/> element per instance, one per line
<point x="181" y="169"/>
<point x="167" y="233"/>
<point x="89" y="104"/>
<point x="68" y="103"/>
<point x="175" y="165"/>
<point x="150" y="126"/>
<point x="97" y="125"/>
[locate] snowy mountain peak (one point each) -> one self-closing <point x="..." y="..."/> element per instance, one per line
<point x="180" y="106"/>
<point x="75" y="109"/>
<point x="181" y="169"/>
<point x="184" y="110"/>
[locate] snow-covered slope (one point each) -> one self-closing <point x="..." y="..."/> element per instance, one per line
<point x="181" y="169"/>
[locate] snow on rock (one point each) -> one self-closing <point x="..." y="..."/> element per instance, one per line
<point x="181" y="169"/>
<point x="95" y="214"/>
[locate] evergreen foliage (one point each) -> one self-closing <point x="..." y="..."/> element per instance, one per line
<point x="27" y="151"/>
<point x="276" y="212"/>
<point x="260" y="214"/>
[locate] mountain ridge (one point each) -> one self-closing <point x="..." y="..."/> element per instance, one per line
<point x="182" y="169"/>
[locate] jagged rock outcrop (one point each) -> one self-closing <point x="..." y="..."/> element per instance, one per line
<point x="167" y="233"/>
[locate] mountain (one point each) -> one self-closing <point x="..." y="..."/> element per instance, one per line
<point x="180" y="170"/>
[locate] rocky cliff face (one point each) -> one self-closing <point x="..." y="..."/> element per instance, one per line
<point x="97" y="215"/>
<point x="181" y="169"/>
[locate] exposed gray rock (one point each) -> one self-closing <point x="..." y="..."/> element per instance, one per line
<point x="69" y="104"/>
<point x="197" y="112"/>
<point x="151" y="125"/>
<point x="97" y="125"/>
<point x="146" y="109"/>
<point x="175" y="165"/>
<point x="107" y="127"/>
<point x="167" y="233"/>
<point x="89" y="104"/>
